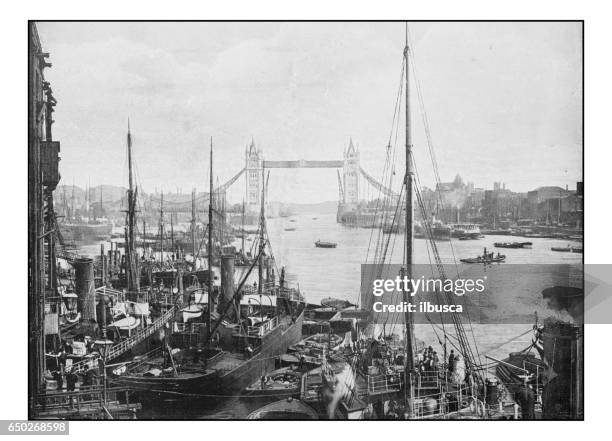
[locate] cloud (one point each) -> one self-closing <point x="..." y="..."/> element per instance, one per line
<point x="302" y="89"/>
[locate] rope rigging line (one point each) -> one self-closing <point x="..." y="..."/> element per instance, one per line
<point x="437" y="176"/>
<point x="382" y="201"/>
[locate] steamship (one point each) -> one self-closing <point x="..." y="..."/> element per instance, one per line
<point x="226" y="337"/>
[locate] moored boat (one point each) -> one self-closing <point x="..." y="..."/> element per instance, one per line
<point x="470" y="231"/>
<point x="331" y="302"/>
<point x="481" y="259"/>
<point x="288" y="409"/>
<point x="169" y="373"/>
<point x="284" y="382"/>
<point x="513" y="244"/>
<point x="323" y="244"/>
<point x="566" y="249"/>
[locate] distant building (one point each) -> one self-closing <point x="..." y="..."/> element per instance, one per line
<point x="254" y="180"/>
<point x="351" y="177"/>
<point x="552" y="192"/>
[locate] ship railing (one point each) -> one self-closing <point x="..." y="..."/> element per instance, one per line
<point x="84" y="365"/>
<point x="384" y="383"/>
<point x="188" y="328"/>
<point x="290" y="294"/>
<point x="437" y="404"/>
<point x="85" y="397"/>
<point x="106" y="291"/>
<point x="268" y="289"/>
<point x="138" y="296"/>
<point x="139" y="336"/>
<point x="538" y="386"/>
<point x="428" y="378"/>
<point x="265" y="328"/>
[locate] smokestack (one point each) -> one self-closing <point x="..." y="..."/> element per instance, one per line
<point x="84" y="275"/>
<point x="227" y="278"/>
<point x="563" y="354"/>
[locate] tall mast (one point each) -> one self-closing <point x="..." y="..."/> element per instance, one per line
<point x="210" y="243"/>
<point x="65" y="204"/>
<point x="559" y="209"/>
<point x="193" y="225"/>
<point x="409" y="359"/>
<point x="262" y="220"/>
<point x="132" y="273"/>
<point x="144" y="237"/>
<point x="161" y="226"/>
<point x="72" y="201"/>
<point x="88" y="198"/>
<point x="172" y="250"/>
<point x="243" y="251"/>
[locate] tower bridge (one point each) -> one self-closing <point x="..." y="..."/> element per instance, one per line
<point x="349" y="180"/>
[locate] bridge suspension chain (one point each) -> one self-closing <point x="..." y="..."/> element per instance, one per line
<point x="377" y="185"/>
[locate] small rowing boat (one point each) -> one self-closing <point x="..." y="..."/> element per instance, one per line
<point x="323" y="244"/>
<point x="566" y="249"/>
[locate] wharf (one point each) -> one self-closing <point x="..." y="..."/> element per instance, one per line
<point x="87" y="403"/>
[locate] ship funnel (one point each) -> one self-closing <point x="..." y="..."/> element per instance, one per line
<point x="84" y="275"/>
<point x="227" y="278"/>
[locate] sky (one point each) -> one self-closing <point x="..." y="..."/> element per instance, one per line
<point x="503" y="101"/>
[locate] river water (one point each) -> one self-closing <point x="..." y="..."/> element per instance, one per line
<point x="335" y="272"/>
<point x="323" y="272"/>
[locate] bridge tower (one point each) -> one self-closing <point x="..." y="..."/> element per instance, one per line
<point x="351" y="178"/>
<point x="253" y="168"/>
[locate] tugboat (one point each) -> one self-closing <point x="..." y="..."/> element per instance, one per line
<point x="323" y="244"/>
<point x="486" y="258"/>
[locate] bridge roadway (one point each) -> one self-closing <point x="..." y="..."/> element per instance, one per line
<point x="303" y="164"/>
<point x="185" y="206"/>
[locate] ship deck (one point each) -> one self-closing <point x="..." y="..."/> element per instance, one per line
<point x="227" y="361"/>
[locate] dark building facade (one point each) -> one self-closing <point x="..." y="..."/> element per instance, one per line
<point x="43" y="177"/>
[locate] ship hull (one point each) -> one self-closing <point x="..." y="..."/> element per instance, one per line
<point x="273" y="346"/>
<point x="189" y="384"/>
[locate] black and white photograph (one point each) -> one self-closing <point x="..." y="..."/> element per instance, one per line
<point x="305" y="220"/>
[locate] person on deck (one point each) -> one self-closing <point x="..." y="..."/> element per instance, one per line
<point x="435" y="361"/>
<point x="57" y="376"/>
<point x="526" y="398"/>
<point x="451" y="361"/>
<point x="71" y="380"/>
